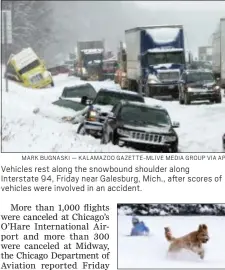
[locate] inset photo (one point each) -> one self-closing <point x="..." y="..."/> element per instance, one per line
<point x="171" y="236"/>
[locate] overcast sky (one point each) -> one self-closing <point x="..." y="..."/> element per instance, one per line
<point x="88" y="20"/>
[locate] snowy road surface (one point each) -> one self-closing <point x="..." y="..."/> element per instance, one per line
<point x="151" y="252"/>
<point x="201" y="125"/>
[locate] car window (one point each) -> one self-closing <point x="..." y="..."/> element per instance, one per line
<point x="112" y="98"/>
<point x="69" y="104"/>
<point x="144" y="115"/>
<point x="80" y="91"/>
<point x="199" y="76"/>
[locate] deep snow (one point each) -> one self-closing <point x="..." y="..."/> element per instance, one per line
<point x="201" y="126"/>
<point x="151" y="251"/>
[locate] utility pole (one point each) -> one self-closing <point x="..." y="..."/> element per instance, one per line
<point x="6" y="38"/>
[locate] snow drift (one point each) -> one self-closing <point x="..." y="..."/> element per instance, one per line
<point x="151" y="252"/>
<point x="32" y="124"/>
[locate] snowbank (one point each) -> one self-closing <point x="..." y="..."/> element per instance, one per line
<point x="32" y="124"/>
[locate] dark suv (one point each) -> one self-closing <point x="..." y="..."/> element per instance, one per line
<point x="101" y="106"/>
<point x="141" y="126"/>
<point x="198" y="85"/>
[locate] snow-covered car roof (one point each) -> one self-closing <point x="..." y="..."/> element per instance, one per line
<point x="92" y="51"/>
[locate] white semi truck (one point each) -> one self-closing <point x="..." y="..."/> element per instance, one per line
<point x="218" y="52"/>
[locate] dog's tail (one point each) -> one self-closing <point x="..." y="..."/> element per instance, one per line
<point x="168" y="234"/>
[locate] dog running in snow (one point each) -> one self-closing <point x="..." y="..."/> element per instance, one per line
<point x="193" y="241"/>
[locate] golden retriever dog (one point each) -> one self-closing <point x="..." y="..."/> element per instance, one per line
<point x="193" y="241"/>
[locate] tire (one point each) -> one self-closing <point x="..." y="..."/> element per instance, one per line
<point x="104" y="140"/>
<point x="187" y="99"/>
<point x="52" y="84"/>
<point x="114" y="138"/>
<point x="81" y="130"/>
<point x="219" y="100"/>
<point x="174" y="149"/>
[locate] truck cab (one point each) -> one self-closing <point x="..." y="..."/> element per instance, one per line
<point x="28" y="69"/>
<point x="163" y="70"/>
<point x="155" y="59"/>
<point x="90" y="55"/>
<point x="92" y="61"/>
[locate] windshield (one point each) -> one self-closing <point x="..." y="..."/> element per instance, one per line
<point x="112" y="98"/>
<point x="198" y="65"/>
<point x="165" y="58"/>
<point x="79" y="91"/>
<point x="92" y="57"/>
<point x="29" y="67"/>
<point x="144" y="115"/>
<point x="199" y="76"/>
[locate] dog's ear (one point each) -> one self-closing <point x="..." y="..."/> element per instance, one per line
<point x="204" y="227"/>
<point x="200" y="228"/>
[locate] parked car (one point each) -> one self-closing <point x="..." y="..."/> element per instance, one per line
<point x="223" y="141"/>
<point x="101" y="106"/>
<point x="141" y="126"/>
<point x="79" y="91"/>
<point x="76" y="98"/>
<point x="196" y="85"/>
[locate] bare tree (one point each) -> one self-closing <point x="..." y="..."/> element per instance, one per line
<point x="31" y="25"/>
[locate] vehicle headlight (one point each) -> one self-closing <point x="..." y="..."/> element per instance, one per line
<point x="170" y="138"/>
<point x="123" y="132"/>
<point x="45" y="74"/>
<point x="217" y="88"/>
<point x="84" y="71"/>
<point x="92" y="115"/>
